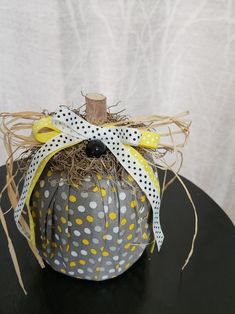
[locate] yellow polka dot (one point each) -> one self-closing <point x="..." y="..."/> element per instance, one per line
<point x="59" y="228"/>
<point x="112" y="216"/>
<point x="67" y="208"/>
<point x="133" y="248"/>
<point x="93" y="251"/>
<point x="49" y="173"/>
<point x="103" y="192"/>
<point x="123" y="221"/>
<point x="106" y="224"/>
<point x="102" y="248"/>
<point x="127" y="265"/>
<point x="114" y="189"/>
<point x="97" y="269"/>
<point x="105" y="253"/>
<point x="79" y="221"/>
<point x="143" y="198"/>
<point x="145" y="236"/>
<point x="90" y="218"/>
<point x="99" y="176"/>
<point x="95" y="189"/>
<point x="117" y="266"/>
<point x="62" y="270"/>
<point x="129" y="237"/>
<point x="126" y="246"/>
<point x="72" y="198"/>
<point x="133" y="204"/>
<point x="37" y="194"/>
<point x="110" y="177"/>
<point x="131" y="227"/>
<point x="67" y="247"/>
<point x="72" y="264"/>
<point x="82" y="262"/>
<point x="85" y="241"/>
<point x="49" y="211"/>
<point x="63" y="220"/>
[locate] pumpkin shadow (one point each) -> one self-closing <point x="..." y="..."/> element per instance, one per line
<point x="123" y="294"/>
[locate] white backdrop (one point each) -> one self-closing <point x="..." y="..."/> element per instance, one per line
<point x="162" y="56"/>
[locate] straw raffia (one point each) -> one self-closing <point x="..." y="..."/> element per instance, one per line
<point x="21" y="147"/>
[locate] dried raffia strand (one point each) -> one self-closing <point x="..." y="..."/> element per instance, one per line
<point x="77" y="165"/>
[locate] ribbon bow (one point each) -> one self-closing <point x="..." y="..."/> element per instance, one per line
<point x="67" y="129"/>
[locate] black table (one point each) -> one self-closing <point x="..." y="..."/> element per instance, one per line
<point x="155" y="284"/>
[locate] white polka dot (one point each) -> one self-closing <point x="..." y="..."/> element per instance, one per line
<point x="87" y="179"/>
<point x="70" y="223"/>
<point x="109" y="200"/>
<point x="105" y="277"/>
<point x="56" y="236"/>
<point x="99" y="259"/>
<point x="77" y="233"/>
<point x="108" y="237"/>
<point x="81" y="208"/>
<point x="112" y="270"/>
<point x="124" y="254"/>
<point x="115" y="229"/>
<point x="71" y="212"/>
<point x="73" y="253"/>
<point x="106" y="209"/>
<point x="122" y="196"/>
<point x="119" y="241"/>
<point x="93" y="204"/>
<point x="95" y="241"/>
<point x="80" y="271"/>
<point x="58" y="207"/>
<point x="42" y="183"/>
<point x="71" y="273"/>
<point x="116" y="258"/>
<point x="122" y="262"/>
<point x="123" y="209"/>
<point x="64" y="196"/>
<point x="109" y="263"/>
<point x="112" y="248"/>
<point x="87" y="231"/>
<point x="75" y="243"/>
<point x="84" y="194"/>
<point x="122" y="232"/>
<point x="119" y="269"/>
<point x="46" y="194"/>
<point x="133" y="215"/>
<point x="91" y="261"/>
<point x="83" y="252"/>
<point x="57" y="262"/>
<point x="98" y="228"/>
<point x="90" y="270"/>
<point x="101" y="215"/>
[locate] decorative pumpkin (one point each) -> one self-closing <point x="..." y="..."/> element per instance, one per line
<point x="95" y="231"/>
<point x="97" y="227"/>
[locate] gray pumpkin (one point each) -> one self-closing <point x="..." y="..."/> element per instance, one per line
<point x="95" y="231"/>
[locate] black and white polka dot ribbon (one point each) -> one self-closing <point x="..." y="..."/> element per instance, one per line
<point x="119" y="140"/>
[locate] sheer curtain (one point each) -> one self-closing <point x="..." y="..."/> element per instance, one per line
<point x="156" y="56"/>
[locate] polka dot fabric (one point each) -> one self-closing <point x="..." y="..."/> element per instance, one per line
<point x="74" y="129"/>
<point x="95" y="231"/>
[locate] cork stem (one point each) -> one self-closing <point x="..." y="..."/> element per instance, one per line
<point x="96" y="108"/>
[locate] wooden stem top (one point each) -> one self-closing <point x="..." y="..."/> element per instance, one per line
<point x="96" y="108"/>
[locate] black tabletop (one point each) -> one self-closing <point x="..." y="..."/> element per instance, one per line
<point x="155" y="284"/>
